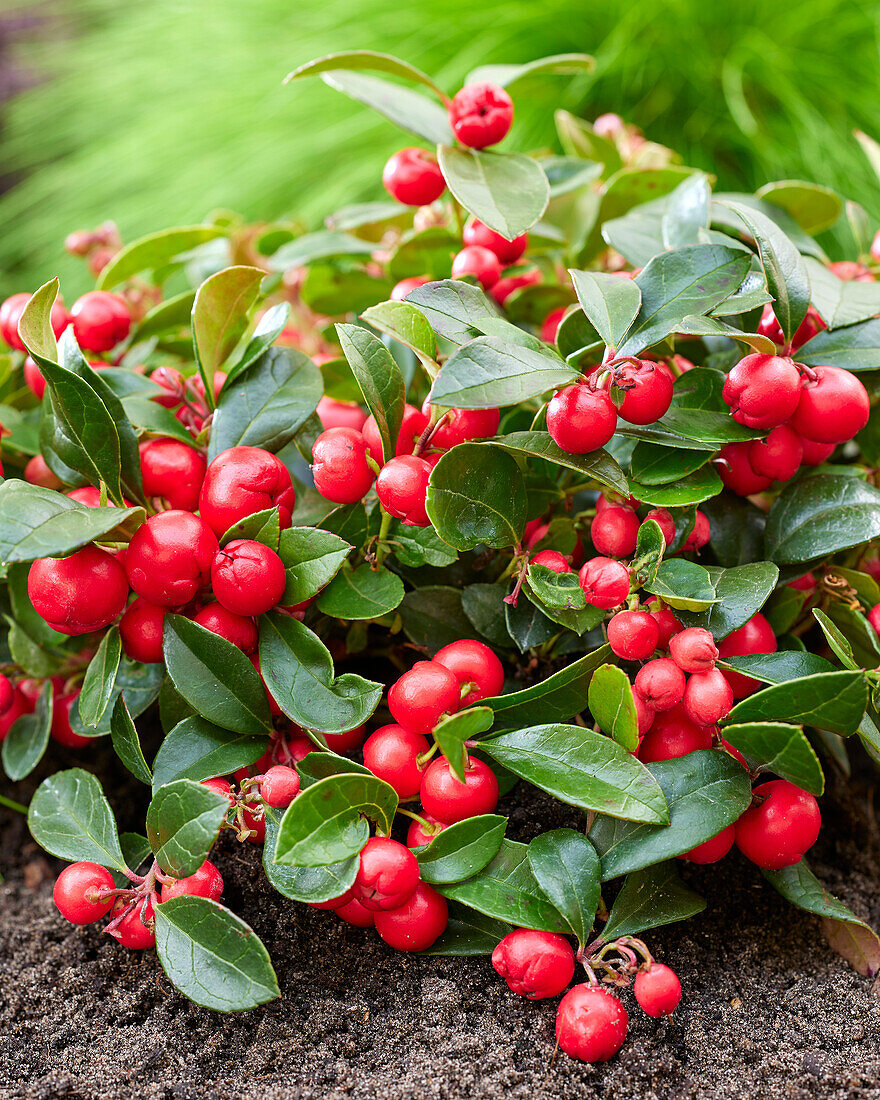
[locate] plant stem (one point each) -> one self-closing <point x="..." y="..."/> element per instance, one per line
<point x="11" y="805"/>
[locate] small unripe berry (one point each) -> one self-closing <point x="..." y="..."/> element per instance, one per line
<point x="693" y="650"/>
<point x="280" y="786"/>
<point x="708" y="697"/>
<point x="339" y="465"/>
<point x="784" y="824"/>
<point x="480" y="115"/>
<point x="657" y="989"/>
<point x="76" y="892"/>
<point x="534" y="964"/>
<point x="591" y="1024"/>
<point x="413" y="177"/>
<point x="661" y="682"/>
<point x="445" y="797"/>
<point x="633" y="635"/>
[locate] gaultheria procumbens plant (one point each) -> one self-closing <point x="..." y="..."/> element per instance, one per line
<point x="574" y="455"/>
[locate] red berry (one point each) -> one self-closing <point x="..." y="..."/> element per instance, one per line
<point x="219" y="785"/>
<point x="352" y="912"/>
<point x="100" y="320"/>
<point x="814" y="454"/>
<point x="645" y="714"/>
<point x="174" y="471"/>
<point x="756" y="636"/>
<point x="238" y="629"/>
<point x="671" y="736"/>
<point x="711" y="851"/>
<point x="61" y="729"/>
<point x="241" y="481"/>
<point x="422" y="695"/>
<point x="38" y="473"/>
<point x="507" y="251"/>
<point x="7" y="695"/>
<point x="445" y="797"/>
<point x="667" y="624"/>
<point x="406" y="286"/>
<point x="552" y="559"/>
<point x="784" y="824"/>
<point x="335" y="903"/>
<point x="770" y="327"/>
<point x="413" y="177"/>
<point x="207" y="882"/>
<point x="661" y="682"/>
<point x="141" y="631"/>
<point x="580" y="419"/>
<point x="508" y="284"/>
<point x="591" y="1024"/>
<point x="76" y="892"/>
<point x="778" y="455"/>
<point x="763" y="390"/>
<point x="834" y="406"/>
<point x="604" y="582"/>
<point x="693" y="650"/>
<point x="345" y="742"/>
<point x="614" y="531"/>
<point x="479" y="262"/>
<point x="169" y="558"/>
<point x="388" y="874"/>
<point x="460" y="425"/>
<point x="663" y="518"/>
<point x="33" y="379"/>
<point x="708" y="697"/>
<point x="657" y="989"/>
<point x="339" y="465"/>
<point x="633" y="635"/>
<point x="10" y="314"/>
<point x="481" y="115"/>
<point x="416" y="924"/>
<point x="340" y="414"/>
<point x="21" y="704"/>
<point x="248" y="577"/>
<point x="280" y="786"/>
<point x="412" y="425"/>
<point x="473" y="663"/>
<point x="534" y="964"/>
<point x="874" y="618"/>
<point x="551" y="323"/>
<point x="417" y="835"/>
<point x="80" y="593"/>
<point x="402" y="486"/>
<point x="131" y="930"/>
<point x="647" y="390"/>
<point x="391" y="754"/>
<point x="700" y="533"/>
<point x="735" y="470"/>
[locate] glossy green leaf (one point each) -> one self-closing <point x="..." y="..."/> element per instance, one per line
<point x="599" y="466"/>
<point x="650" y="898"/>
<point x="183" y="821"/>
<point x="319" y="764"/>
<point x="326" y="823"/>
<point x="468" y="933"/>
<point x="321" y="245"/>
<point x="776" y="668"/>
<point x="507" y="191"/>
<point x="211" y="956"/>
<point x="710" y="326"/>
<point x="298" y="671"/>
<point x="611" y="303"/>
<point x="558" y="698"/>
<point x="100" y="677"/>
<point x="267" y="330"/>
<point x="453" y="730"/>
<point x="126" y="743"/>
<point x="653" y="465"/>
<point x="490" y="372"/>
<point x="405" y="323"/>
<point x="476" y="495"/>
<point x="462" y="849"/>
<point x="433" y="617"/>
<point x="380" y="380"/>
<point x="70" y="817"/>
<point x="781" y="748"/>
<point x="834" y="701"/>
<point x="215" y="677"/>
<point x="197" y="749"/>
<point x="156" y="250"/>
<point x="417" y="546"/>
<point x="361" y="593"/>
<point x="855" y="348"/>
<point x="684" y="585"/>
<point x="566" y="64"/>
<point x="169" y="315"/>
<point x="304" y="883"/>
<point x="566" y="867"/>
<point x="813" y="207"/>
<point x="363" y="59"/>
<point x="580" y="767"/>
<point x="613" y="706"/>
<point x="220" y="317"/>
<point x="818" y="515"/>
<point x="840" y="302"/>
<point x="741" y="592"/>
<point x="407" y="109"/>
<point x="693" y="488"/>
<point x="528" y="625"/>
<point x="138" y="684"/>
<point x="453" y="307"/>
<point x="705" y="791"/>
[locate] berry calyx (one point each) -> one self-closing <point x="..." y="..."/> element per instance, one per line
<point x="781" y="827"/>
<point x="79" y="593"/>
<point x="206" y="882"/>
<point x="241" y="481"/>
<point x="762" y="390"/>
<point x="238" y="629"/>
<point x="480" y="115"/>
<point x="661" y="683"/>
<point x="169" y="559"/>
<point x="614" y="531"/>
<point x="140" y="629"/>
<point x="339" y="465"/>
<point x="412" y="176"/>
<point x="693" y="649"/>
<point x="580" y="419"/>
<point x="657" y="989"/>
<point x="173" y="471"/>
<point x="422" y="695"/>
<point x="391" y="754"/>
<point x="280" y="786"/>
<point x="534" y="964"/>
<point x="77" y="892"/>
<point x="248" y="577"/>
<point x="387" y="876"/>
<point x="479" y="262"/>
<point x="591" y="1024"/>
<point x="507" y="251"/>
<point x="633" y="635"/>
<point x="100" y="320"/>
<point x="833" y="406"/>
<point x="402" y="486"/>
<point x="473" y="664"/>
<point x="604" y="582"/>
<point x="445" y="797"/>
<point x="416" y="924"/>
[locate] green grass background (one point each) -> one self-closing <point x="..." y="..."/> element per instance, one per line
<point x="157" y="112"/>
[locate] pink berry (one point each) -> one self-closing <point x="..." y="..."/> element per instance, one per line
<point x="534" y="964"/>
<point x="604" y="582"/>
<point x="693" y="650"/>
<point x="661" y="682"/>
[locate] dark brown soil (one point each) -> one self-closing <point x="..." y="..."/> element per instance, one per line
<point x="768" y="1011"/>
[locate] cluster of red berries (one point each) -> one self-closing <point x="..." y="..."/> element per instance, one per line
<point x="591" y="1023"/>
<point x="347" y="455"/>
<point x="806" y="411"/>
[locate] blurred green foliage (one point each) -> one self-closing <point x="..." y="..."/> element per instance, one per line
<point x="156" y="113"/>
